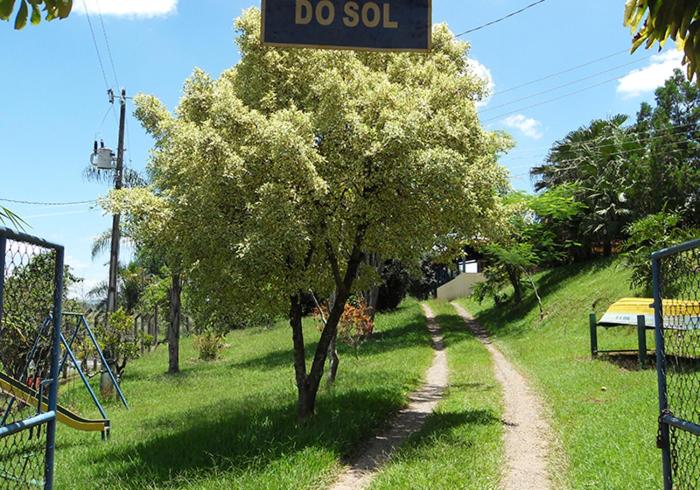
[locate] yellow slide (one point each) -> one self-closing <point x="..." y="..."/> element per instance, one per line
<point x="27" y="395"/>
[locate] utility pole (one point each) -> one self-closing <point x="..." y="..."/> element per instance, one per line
<point x="116" y="218"/>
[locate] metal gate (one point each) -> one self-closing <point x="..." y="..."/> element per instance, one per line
<point x="31" y="292"/>
<point x="677" y="309"/>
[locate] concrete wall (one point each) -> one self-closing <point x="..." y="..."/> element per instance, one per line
<point x="460" y="287"/>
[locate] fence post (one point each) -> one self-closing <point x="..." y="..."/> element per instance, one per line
<point x="642" y="336"/>
<point x="593" y="324"/>
<point x="55" y="354"/>
<point x="664" y="433"/>
<point x="3" y="250"/>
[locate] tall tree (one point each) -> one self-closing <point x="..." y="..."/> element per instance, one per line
<point x="666" y="176"/>
<point x="595" y="159"/>
<point x="282" y="175"/>
<point x="154" y="229"/>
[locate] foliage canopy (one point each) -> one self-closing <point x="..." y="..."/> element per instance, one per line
<point x="282" y="175"/>
<point x="53" y="9"/>
<point x="653" y="21"/>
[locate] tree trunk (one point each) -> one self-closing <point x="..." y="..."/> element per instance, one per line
<point x="372" y="295"/>
<point x="514" y="277"/>
<point x="305" y="405"/>
<point x="174" y="327"/>
<point x="333" y="360"/>
<point x="308" y="384"/>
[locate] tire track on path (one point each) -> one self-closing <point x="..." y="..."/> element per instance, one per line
<point x="527" y="434"/>
<point x="408" y="421"/>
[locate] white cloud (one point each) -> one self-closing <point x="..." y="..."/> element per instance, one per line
<point x="647" y="79"/>
<point x="75" y="263"/>
<point x="129" y="8"/>
<point x="485" y="74"/>
<point x="528" y="126"/>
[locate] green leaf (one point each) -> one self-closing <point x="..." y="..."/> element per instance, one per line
<point x="6" y="7"/>
<point x="64" y="8"/>
<point x="36" y="14"/>
<point x="22" y="15"/>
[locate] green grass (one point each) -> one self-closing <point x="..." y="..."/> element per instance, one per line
<point x="232" y="423"/>
<point x="604" y="411"/>
<point x="461" y="444"/>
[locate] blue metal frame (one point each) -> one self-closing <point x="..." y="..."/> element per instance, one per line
<point x="664" y="441"/>
<point x="105" y="364"/>
<point x="666" y="418"/>
<point x="49" y="417"/>
<point x="86" y="382"/>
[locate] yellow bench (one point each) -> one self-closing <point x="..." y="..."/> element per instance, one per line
<point x="639" y="312"/>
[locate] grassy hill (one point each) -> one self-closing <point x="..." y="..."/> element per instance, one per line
<point x="232" y="423"/>
<point x="604" y="411"/>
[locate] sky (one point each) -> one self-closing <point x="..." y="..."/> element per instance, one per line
<point x="53" y="101"/>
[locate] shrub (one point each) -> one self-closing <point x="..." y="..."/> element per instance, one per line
<point x="355" y="325"/>
<point x="119" y="342"/>
<point x="209" y="345"/>
<point x="648" y="235"/>
<point x="395" y="283"/>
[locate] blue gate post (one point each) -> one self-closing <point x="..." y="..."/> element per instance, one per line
<point x="55" y="355"/>
<point x="3" y="248"/>
<point x="664" y="432"/>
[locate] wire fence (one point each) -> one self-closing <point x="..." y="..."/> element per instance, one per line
<point x="31" y="289"/>
<point x="677" y="300"/>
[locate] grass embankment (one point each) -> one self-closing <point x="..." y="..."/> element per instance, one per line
<point x="604" y="411"/>
<point x="232" y="423"/>
<point x="461" y="444"/>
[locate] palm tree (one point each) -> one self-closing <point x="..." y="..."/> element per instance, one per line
<point x="596" y="160"/>
<point x="8" y="217"/>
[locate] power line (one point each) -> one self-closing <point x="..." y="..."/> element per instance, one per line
<point x="109" y="49"/>
<point x="573" y="161"/>
<point x="669" y="147"/>
<point x="38" y="203"/>
<point x="563" y="72"/>
<point x="512" y="14"/>
<point x="94" y="42"/>
<point x="549" y="101"/>
<point x="573" y="82"/>
<point x="657" y="134"/>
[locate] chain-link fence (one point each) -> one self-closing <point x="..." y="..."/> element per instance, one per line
<point x="31" y="291"/>
<point x="677" y="302"/>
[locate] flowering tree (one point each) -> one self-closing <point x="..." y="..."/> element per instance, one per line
<point x="282" y="175"/>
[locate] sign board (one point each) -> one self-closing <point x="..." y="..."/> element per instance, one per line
<point x="372" y="25"/>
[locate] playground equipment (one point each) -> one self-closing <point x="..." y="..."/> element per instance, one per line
<point x="31" y="293"/>
<point x="82" y="326"/>
<point x="26" y="395"/>
<point x="677" y="279"/>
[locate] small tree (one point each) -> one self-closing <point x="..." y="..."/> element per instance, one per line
<point x="280" y="177"/>
<point x="119" y="341"/>
<point x="527" y="240"/>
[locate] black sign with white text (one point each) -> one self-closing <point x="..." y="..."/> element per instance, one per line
<point x="392" y="25"/>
